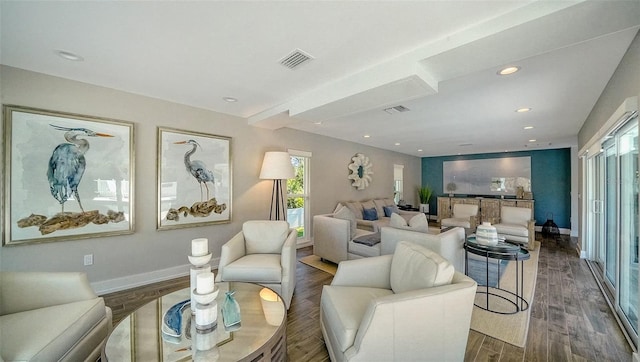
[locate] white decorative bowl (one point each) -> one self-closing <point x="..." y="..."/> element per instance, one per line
<point x="486" y="234"/>
<point x="199" y="260"/>
<point x="206" y="298"/>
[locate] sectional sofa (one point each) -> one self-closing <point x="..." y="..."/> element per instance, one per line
<point x="373" y="214"/>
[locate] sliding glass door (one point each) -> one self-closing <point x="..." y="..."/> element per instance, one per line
<point x="612" y="222"/>
<point x="628" y="163"/>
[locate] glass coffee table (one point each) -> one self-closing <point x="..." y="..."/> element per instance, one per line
<point x="498" y="299"/>
<point x="143" y="336"/>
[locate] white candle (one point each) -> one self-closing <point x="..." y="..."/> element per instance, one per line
<point x="204" y="283"/>
<point x="199" y="247"/>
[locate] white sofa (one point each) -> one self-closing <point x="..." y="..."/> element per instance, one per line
<point x="358" y="208"/>
<point x="264" y="252"/>
<point x="51" y="317"/>
<point x="409" y="306"/>
<point x="333" y="241"/>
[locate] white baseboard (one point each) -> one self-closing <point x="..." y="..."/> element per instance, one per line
<point x="138" y="280"/>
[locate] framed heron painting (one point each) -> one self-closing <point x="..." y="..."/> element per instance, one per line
<point x="67" y="176"/>
<point x="194" y="179"/>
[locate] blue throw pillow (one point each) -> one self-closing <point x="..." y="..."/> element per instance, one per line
<point x="370" y="214"/>
<point x="388" y="210"/>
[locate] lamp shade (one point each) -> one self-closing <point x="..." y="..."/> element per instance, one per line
<point x="277" y="166"/>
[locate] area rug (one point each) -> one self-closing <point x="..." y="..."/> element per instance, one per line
<point x="315" y="262"/>
<point x="511" y="328"/>
<point x="477" y="270"/>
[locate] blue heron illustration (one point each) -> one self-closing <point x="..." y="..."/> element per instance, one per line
<point x="197" y="168"/>
<point x="67" y="163"/>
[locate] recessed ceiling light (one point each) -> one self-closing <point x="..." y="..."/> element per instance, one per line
<point x="528" y="127"/>
<point x="508" y="70"/>
<point x="522" y="110"/>
<point x="532" y="140"/>
<point x="419" y="149"/>
<point x="318" y="123"/>
<point x="397" y="143"/>
<point x="69" y="56"/>
<point x="229" y="99"/>
<point x="366" y="136"/>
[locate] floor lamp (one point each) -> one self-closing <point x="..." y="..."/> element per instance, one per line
<point x="277" y="166"/>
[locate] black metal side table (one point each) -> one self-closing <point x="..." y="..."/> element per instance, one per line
<point x="501" y="251"/>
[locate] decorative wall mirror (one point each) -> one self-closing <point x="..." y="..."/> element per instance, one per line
<point x="360" y="171"/>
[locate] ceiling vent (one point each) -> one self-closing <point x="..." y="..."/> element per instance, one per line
<point x="396" y="109"/>
<point x="295" y="59"/>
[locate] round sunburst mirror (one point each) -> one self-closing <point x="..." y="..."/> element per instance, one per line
<point x="360" y="171"/>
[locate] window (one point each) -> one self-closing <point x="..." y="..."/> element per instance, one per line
<point x="397" y="183"/>
<point x="298" y="211"/>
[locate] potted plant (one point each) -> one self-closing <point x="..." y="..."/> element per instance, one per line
<point x="424" y="194"/>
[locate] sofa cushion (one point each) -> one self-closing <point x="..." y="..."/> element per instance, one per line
<point x="512" y="229"/>
<point x="256" y="268"/>
<point x="417" y="222"/>
<point x="356" y="208"/>
<point x="416" y="267"/>
<point x="343" y="309"/>
<point x="265" y="237"/>
<point x="345" y="213"/>
<point x="47" y="334"/>
<point x="370" y="214"/>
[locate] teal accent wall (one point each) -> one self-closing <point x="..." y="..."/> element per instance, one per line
<point x="550" y="181"/>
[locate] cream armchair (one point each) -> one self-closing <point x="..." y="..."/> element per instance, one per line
<point x="264" y="252"/>
<point x="51" y="317"/>
<point x="517" y="225"/>
<point x="464" y="216"/>
<point x="409" y="306"/>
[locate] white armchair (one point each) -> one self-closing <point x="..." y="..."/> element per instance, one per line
<point x="517" y="225"/>
<point x="264" y="252"/>
<point x="464" y="216"/>
<point x="409" y="306"/>
<point x="51" y="317"/>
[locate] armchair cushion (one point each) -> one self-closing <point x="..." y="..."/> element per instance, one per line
<point x="464" y="211"/>
<point x="415" y="267"/>
<point x="265" y="237"/>
<point x="515" y="215"/>
<point x="257" y="268"/>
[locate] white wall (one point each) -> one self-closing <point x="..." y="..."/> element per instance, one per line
<point x="148" y="255"/>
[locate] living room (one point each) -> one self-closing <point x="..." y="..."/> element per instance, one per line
<point x="149" y="255"/>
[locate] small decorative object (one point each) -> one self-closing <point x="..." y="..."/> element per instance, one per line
<point x="424" y="194"/>
<point x="360" y="171"/>
<point x="486" y="234"/>
<point x="519" y="192"/>
<point x="231" y="312"/>
<point x="172" y="319"/>
<point x="451" y="187"/>
<point x="528" y="195"/>
<point x="206" y="309"/>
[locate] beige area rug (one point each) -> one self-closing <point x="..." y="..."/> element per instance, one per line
<point x="315" y="262"/>
<point x="510" y="328"/>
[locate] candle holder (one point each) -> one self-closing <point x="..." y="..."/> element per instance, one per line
<point x="195" y="271"/>
<point x="206" y="307"/>
<point x="199" y="258"/>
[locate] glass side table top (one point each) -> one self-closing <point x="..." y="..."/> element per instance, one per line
<point x="502" y="250"/>
<point x="140" y="335"/>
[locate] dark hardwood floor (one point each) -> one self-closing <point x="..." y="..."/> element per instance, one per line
<point x="570" y="319"/>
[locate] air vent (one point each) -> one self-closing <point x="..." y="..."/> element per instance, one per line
<point x="295" y="59"/>
<point x="396" y="109"/>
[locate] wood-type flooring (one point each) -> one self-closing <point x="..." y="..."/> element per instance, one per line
<point x="570" y="319"/>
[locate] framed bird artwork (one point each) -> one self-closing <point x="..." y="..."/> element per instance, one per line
<point x="194" y="179"/>
<point x="67" y="176"/>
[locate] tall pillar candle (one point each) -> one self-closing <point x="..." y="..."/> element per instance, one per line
<point x="199" y="247"/>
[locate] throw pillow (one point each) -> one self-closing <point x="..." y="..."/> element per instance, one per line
<point x="397" y="221"/>
<point x="370" y="214"/>
<point x="416" y="267"/>
<point x="345" y="214"/>
<point x="388" y="210"/>
<point x="380" y="204"/>
<point x="356" y="209"/>
<point x="419" y="222"/>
